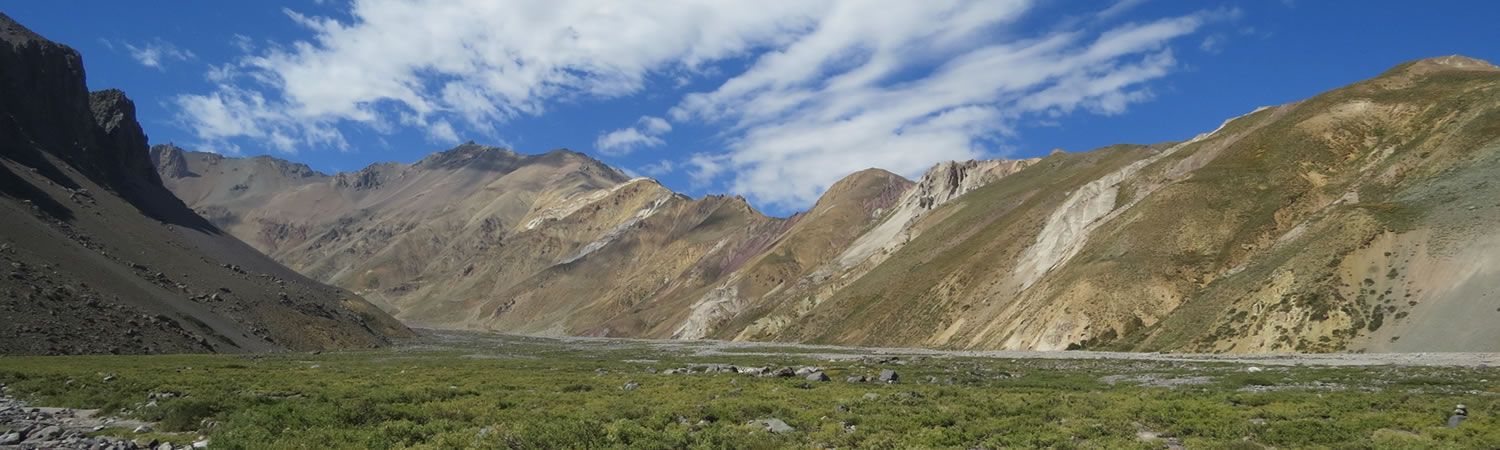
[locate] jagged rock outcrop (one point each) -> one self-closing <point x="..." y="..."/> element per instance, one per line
<point x="1359" y="219"/>
<point x="101" y="258"/>
<point x="170" y="162"/>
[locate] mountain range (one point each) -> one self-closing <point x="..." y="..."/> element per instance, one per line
<point x="1361" y="219"/>
<point x="99" y="257"/>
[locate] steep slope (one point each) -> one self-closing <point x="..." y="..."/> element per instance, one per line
<point x="1363" y="218"/>
<point x="1360" y="219"/>
<point x="101" y="258"/>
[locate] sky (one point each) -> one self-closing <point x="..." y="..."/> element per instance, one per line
<point x="774" y="100"/>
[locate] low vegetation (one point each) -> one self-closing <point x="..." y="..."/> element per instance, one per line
<point x="534" y="393"/>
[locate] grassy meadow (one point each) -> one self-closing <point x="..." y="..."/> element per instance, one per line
<point x="511" y="392"/>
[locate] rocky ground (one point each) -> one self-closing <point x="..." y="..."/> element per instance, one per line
<point x="29" y="427"/>
<point x="710" y="348"/>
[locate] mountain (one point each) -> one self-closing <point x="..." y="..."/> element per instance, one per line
<point x="1360" y="219"/>
<point x="99" y="257"/>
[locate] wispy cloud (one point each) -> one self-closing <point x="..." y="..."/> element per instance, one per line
<point x="832" y="86"/>
<point x="658" y="168"/>
<point x="831" y="102"/>
<point x="645" y="134"/>
<point x="156" y="53"/>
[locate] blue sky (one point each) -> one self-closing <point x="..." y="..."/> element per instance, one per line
<point x="771" y="99"/>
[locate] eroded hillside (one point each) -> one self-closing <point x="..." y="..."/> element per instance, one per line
<point x="1362" y="218"/>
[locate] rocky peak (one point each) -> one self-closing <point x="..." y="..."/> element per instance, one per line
<point x="370" y="177"/>
<point x="122" y="152"/>
<point x="171" y="161"/>
<point x="14" y="33"/>
<point x="289" y="169"/>
<point x="470" y="155"/>
<point x="1456" y="62"/>
<point x="948" y="180"/>
<point x="43" y="98"/>
<point x="872" y="189"/>
<point x="1413" y="70"/>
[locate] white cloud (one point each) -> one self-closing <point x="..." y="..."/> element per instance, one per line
<point x="156" y="53"/>
<point x="482" y="62"/>
<point x="1213" y="44"/>
<point x="242" y="42"/>
<point x="805" y="116"/>
<point x="832" y="86"/>
<point x="645" y="134"/>
<point x="658" y="168"/>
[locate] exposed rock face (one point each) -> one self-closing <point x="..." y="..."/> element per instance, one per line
<point x="1327" y="224"/>
<point x="170" y="163"/>
<point x="101" y="258"/>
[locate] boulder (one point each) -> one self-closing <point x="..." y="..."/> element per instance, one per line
<point x="773" y="425"/>
<point x="45" y="434"/>
<point x="889" y="376"/>
<point x="857" y="379"/>
<point x="817" y="376"/>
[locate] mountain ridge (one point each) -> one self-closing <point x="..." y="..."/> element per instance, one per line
<point x="1112" y="248"/>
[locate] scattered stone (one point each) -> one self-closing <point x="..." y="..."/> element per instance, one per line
<point x="142" y="429"/>
<point x="202" y="443"/>
<point x="889" y="376"/>
<point x="1253" y="369"/>
<point x="630" y="386"/>
<point x="871" y="396"/>
<point x="857" y="379"/>
<point x="1460" y="414"/>
<point x="47" y="433"/>
<point x="773" y="425"/>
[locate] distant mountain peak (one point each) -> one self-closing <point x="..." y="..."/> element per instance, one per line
<point x="1458" y="62"/>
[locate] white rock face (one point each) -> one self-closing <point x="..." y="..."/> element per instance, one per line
<point x="719" y="303"/>
<point x="618" y="230"/>
<point x="1068" y="228"/>
<point x="572" y="205"/>
<point x="941" y="184"/>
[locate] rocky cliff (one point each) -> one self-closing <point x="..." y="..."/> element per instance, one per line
<point x="101" y="258"/>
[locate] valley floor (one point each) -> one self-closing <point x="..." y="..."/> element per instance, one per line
<point x="457" y="389"/>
